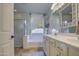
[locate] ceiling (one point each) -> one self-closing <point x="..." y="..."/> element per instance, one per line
<point x="32" y="7"/>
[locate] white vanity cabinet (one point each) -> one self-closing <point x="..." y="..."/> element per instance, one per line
<point x="55" y="48"/>
<point x="60" y="47"/>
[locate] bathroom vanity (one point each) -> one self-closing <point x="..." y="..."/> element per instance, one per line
<point x="61" y="45"/>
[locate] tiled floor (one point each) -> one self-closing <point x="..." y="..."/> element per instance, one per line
<point x="29" y="52"/>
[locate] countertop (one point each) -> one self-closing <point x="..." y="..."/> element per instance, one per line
<point x="70" y="40"/>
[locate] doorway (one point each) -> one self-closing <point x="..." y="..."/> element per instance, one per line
<point x="19" y="31"/>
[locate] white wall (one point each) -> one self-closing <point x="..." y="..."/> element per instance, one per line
<point x="37" y="21"/>
<point x="32" y="21"/>
<point x="20" y="25"/>
<point x="54" y="23"/>
<point x="36" y="39"/>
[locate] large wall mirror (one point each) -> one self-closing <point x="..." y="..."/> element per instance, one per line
<point x="67" y="14"/>
<point x="67" y="20"/>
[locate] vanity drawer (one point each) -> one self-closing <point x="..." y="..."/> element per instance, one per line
<point x="61" y="47"/>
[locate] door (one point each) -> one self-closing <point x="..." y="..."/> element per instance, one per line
<point x="19" y="32"/>
<point x="6" y="29"/>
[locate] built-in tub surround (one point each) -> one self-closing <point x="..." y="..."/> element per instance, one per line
<point x="32" y="41"/>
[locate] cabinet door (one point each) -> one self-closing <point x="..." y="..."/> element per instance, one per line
<point x="58" y="52"/>
<point x="73" y="51"/>
<point x="47" y="47"/>
<point x="61" y="49"/>
<point x="52" y="48"/>
<point x="44" y="45"/>
<point x="64" y="51"/>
